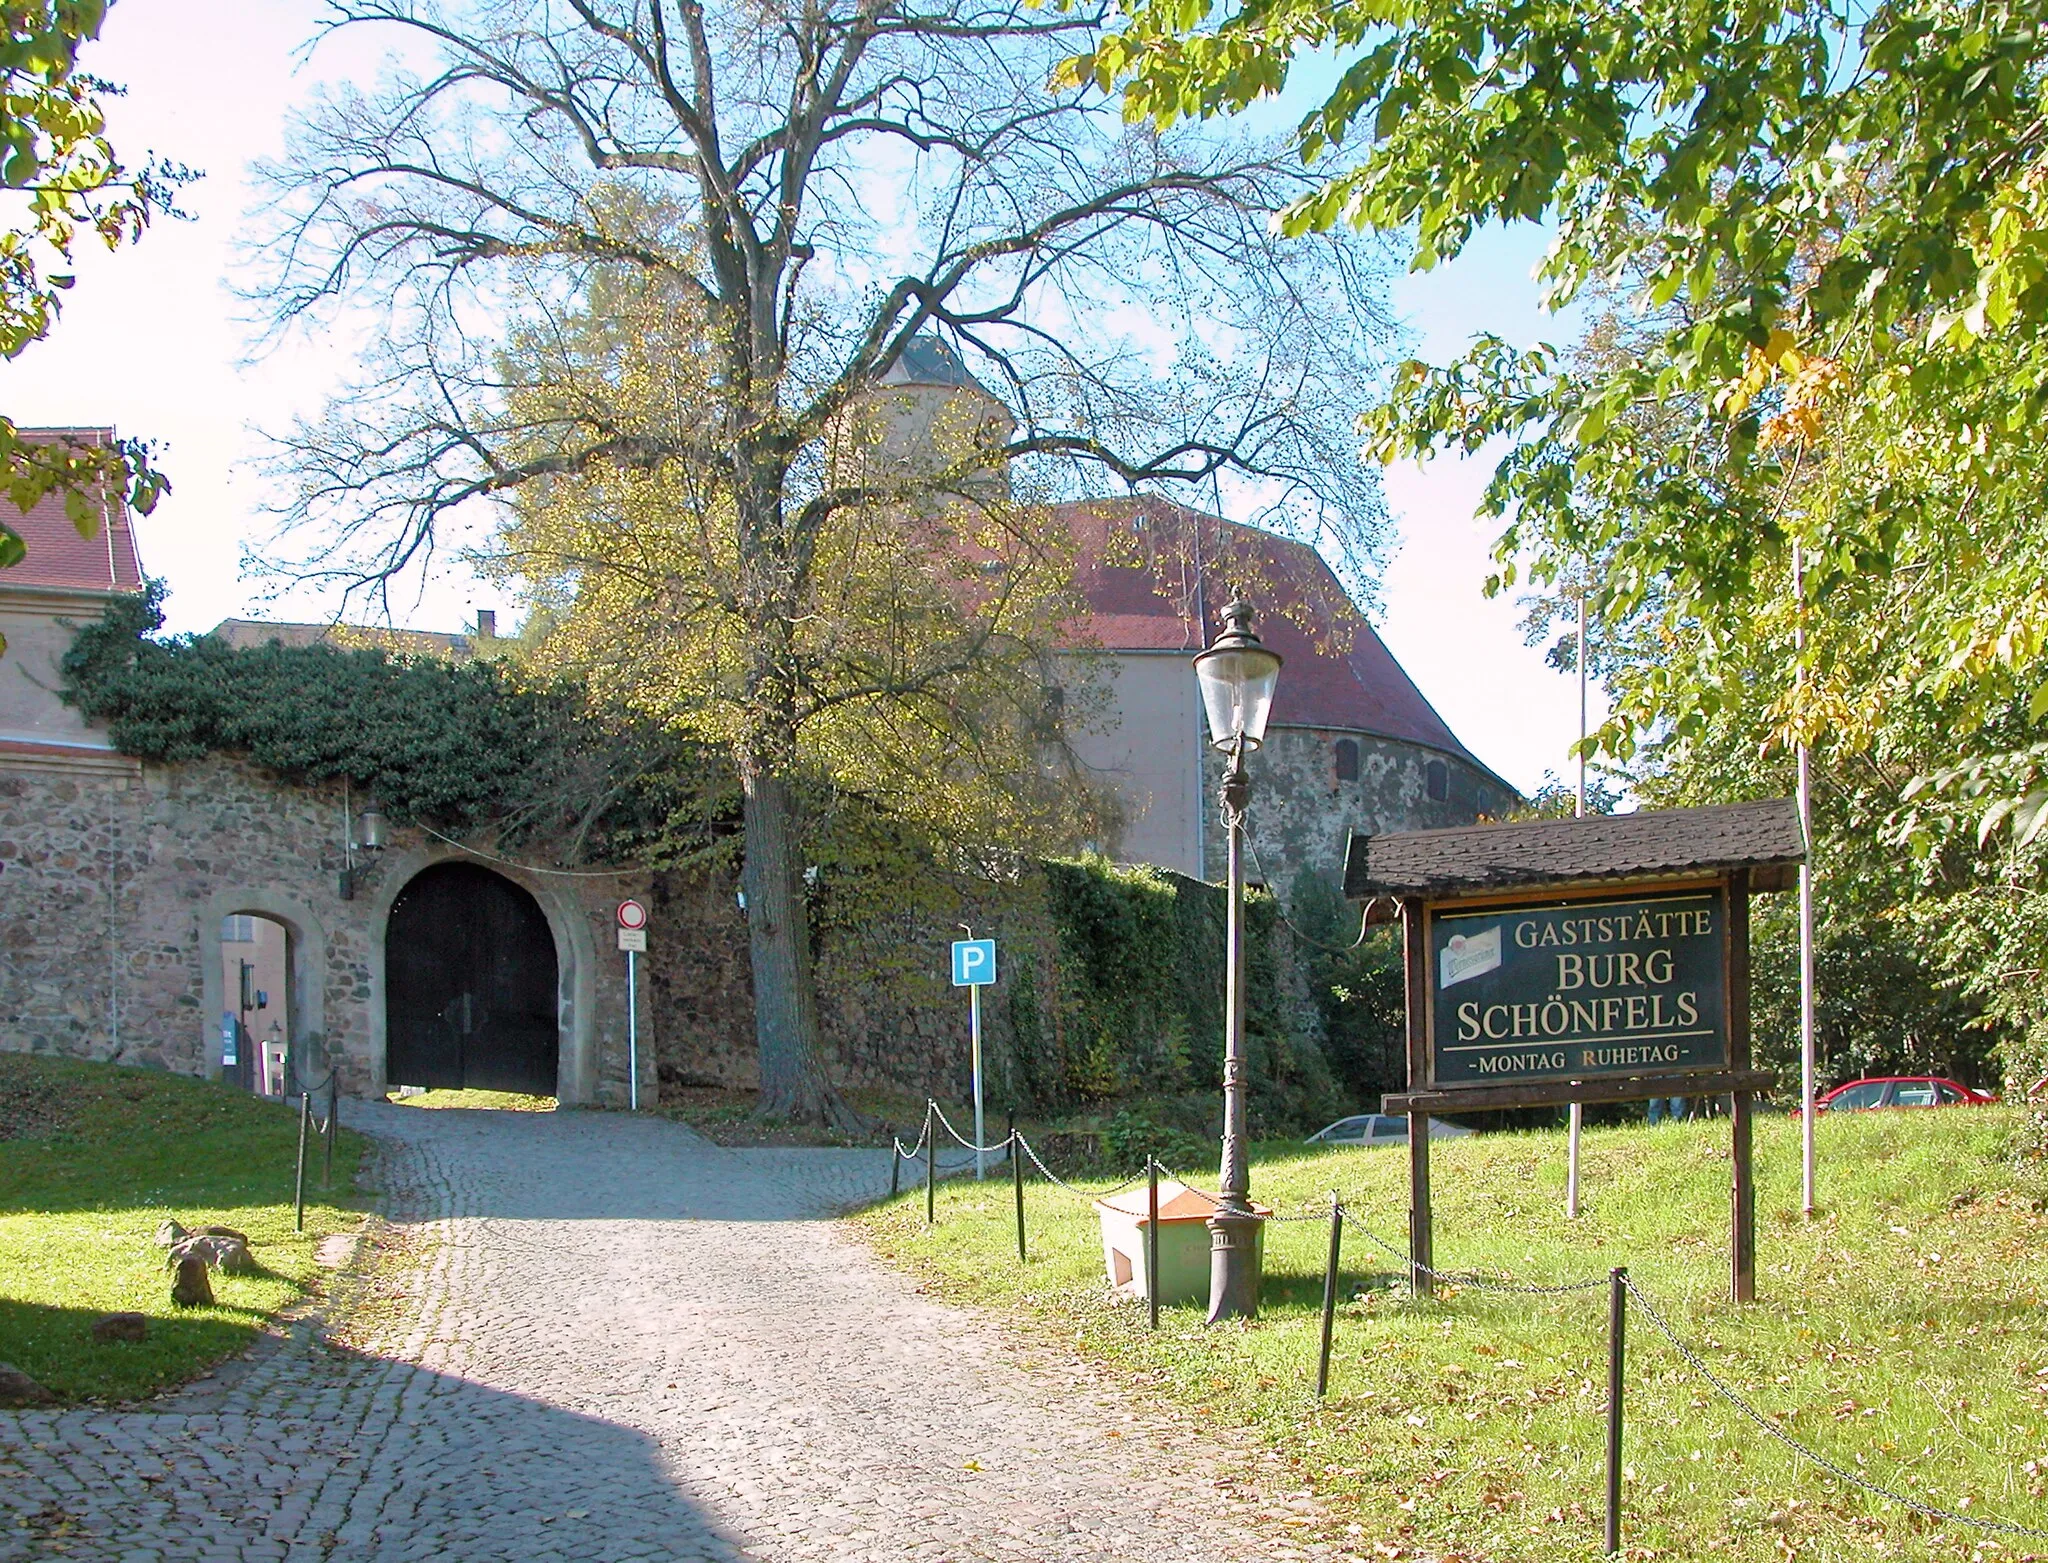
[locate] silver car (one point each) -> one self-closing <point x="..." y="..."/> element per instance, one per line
<point x="1379" y="1129"/>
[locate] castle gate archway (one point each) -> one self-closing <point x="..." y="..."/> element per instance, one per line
<point x="471" y="988"/>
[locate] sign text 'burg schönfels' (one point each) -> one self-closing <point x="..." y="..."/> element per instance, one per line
<point x="1579" y="988"/>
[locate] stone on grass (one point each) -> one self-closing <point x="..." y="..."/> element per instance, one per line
<point x="170" y="1235"/>
<point x="228" y="1253"/>
<point x="121" y="1326"/>
<point x="192" y="1289"/>
<point x="18" y="1389"/>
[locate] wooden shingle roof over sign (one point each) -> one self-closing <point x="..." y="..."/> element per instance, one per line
<point x="1763" y="837"/>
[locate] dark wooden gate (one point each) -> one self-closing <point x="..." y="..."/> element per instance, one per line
<point x="470" y="985"/>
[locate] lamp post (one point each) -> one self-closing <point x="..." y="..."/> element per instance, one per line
<point x="1237" y="676"/>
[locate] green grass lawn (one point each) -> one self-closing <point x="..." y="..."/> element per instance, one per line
<point x="1902" y="1333"/>
<point x="92" y="1158"/>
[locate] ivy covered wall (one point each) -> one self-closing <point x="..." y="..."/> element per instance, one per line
<point x="455" y="745"/>
<point x="1111" y="978"/>
<point x="1116" y="991"/>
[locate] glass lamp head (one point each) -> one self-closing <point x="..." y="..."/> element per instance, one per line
<point x="370" y="829"/>
<point x="1237" y="675"/>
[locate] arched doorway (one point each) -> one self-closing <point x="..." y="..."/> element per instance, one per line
<point x="256" y="958"/>
<point x="470" y="985"/>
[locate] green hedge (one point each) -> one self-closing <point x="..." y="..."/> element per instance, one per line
<point x="1122" y="997"/>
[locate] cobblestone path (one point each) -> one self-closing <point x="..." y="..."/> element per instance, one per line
<point x="625" y="1343"/>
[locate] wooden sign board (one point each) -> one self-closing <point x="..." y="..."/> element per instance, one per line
<point x="1549" y="962"/>
<point x="1574" y="989"/>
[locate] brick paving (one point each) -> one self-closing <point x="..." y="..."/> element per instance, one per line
<point x="624" y="1342"/>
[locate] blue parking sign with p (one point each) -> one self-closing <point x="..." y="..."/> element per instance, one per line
<point x="974" y="962"/>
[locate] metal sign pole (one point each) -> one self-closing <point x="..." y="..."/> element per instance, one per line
<point x="980" y="1135"/>
<point x="974" y="965"/>
<point x="1571" y="1165"/>
<point x="632" y="920"/>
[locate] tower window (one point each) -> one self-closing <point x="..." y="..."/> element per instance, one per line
<point x="1437" y="778"/>
<point x="1347" y="759"/>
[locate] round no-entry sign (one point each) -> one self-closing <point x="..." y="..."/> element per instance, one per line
<point x="632" y="915"/>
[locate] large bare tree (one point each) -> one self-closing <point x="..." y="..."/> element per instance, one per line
<point x="807" y="189"/>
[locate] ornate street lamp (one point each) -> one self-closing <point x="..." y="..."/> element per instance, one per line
<point x="1237" y="676"/>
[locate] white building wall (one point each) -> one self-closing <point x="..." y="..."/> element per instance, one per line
<point x="1146" y="742"/>
<point x="39" y="623"/>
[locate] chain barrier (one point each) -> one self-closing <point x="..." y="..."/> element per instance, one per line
<point x="916" y="1150"/>
<point x="1467" y="1279"/>
<point x="1054" y="1177"/>
<point x="1842" y="1473"/>
<point x="1311" y="1215"/>
<point x="987" y="1150"/>
<point x="320" y="1124"/>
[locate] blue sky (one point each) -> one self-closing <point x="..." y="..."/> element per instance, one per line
<point x="153" y="341"/>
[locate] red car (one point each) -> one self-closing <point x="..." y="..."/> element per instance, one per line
<point x="1903" y="1091"/>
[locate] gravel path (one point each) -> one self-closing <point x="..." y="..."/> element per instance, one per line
<point x="626" y="1343"/>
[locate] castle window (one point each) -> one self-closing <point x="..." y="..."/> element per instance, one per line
<point x="1347" y="759"/>
<point x="1437" y="778"/>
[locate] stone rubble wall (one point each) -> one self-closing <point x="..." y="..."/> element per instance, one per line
<point x="112" y="888"/>
<point x="889" y="1018"/>
<point x="1302" y="815"/>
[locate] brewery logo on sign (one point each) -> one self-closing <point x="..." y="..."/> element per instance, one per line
<point x="1468" y="955"/>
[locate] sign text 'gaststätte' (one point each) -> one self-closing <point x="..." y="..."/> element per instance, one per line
<point x="1572" y="989"/>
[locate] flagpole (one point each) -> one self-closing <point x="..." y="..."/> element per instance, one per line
<point x="1578" y="1112"/>
<point x="1807" y="1070"/>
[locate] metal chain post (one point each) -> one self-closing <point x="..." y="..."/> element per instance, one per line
<point x="299" y="1178"/>
<point x="931" y="1168"/>
<point x="1017" y="1188"/>
<point x="1152" y="1240"/>
<point x="1330" y="1293"/>
<point x="1617" y="1329"/>
<point x="895" y="1164"/>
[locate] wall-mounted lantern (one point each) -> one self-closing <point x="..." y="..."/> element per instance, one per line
<point x="371" y="828"/>
<point x="366" y="831"/>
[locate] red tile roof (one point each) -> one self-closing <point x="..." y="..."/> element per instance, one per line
<point x="57" y="556"/>
<point x="1156" y="577"/>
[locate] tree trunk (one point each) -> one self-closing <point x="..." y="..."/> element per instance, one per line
<point x="793" y="1082"/>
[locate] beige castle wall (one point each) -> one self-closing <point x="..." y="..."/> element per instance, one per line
<point x="1147" y="744"/>
<point x="39" y="624"/>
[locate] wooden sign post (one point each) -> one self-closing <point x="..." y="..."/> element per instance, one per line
<point x="1602" y="959"/>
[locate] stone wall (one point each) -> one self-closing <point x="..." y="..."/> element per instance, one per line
<point x="889" y="1018"/>
<point x="1303" y="812"/>
<point x="112" y="888"/>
